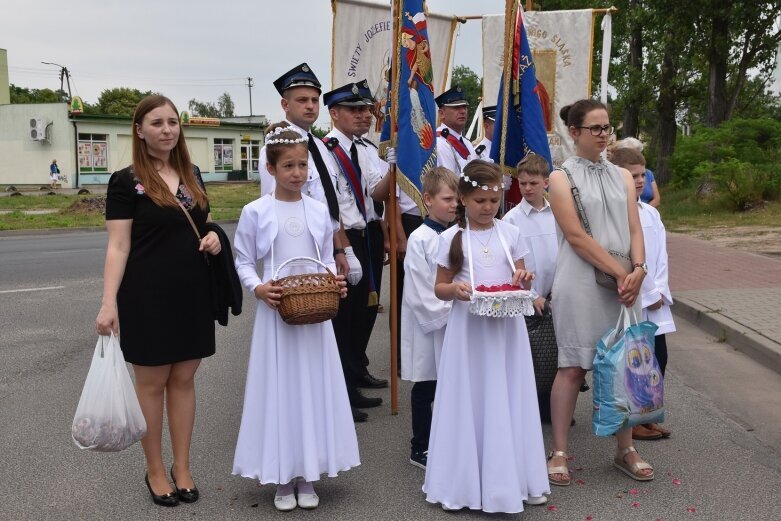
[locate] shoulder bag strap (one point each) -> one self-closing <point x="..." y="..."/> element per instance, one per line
<point x="192" y="223"/>
<point x="578" y="204"/>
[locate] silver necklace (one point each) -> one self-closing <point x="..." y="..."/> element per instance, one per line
<point x="487" y="242"/>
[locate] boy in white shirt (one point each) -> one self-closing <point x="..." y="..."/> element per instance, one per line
<point x="655" y="291"/>
<point x="423" y="315"/>
<point x="538" y="228"/>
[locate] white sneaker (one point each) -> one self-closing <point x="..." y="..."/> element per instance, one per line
<point x="285" y="503"/>
<point x="308" y="501"/>
<point x="536" y="500"/>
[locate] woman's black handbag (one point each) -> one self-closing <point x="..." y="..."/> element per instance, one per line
<point x="545" y="352"/>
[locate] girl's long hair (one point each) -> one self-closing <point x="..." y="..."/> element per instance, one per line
<point x="483" y="173"/>
<point x="144" y="164"/>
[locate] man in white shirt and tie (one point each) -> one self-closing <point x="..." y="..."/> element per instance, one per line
<point x="453" y="151"/>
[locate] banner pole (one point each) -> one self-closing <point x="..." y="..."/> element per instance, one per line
<point x="391" y="210"/>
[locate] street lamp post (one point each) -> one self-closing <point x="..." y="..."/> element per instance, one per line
<point x="64" y="77"/>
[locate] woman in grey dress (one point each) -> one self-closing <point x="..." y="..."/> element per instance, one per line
<point x="583" y="310"/>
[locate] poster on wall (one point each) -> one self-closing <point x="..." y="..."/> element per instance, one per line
<point x="227" y="155"/>
<point x="217" y="156"/>
<point x="85" y="155"/>
<point x="99" y="155"/>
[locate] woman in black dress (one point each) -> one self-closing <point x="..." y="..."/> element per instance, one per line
<point x="156" y="286"/>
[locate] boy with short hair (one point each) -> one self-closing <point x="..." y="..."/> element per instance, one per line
<point x="533" y="216"/>
<point x="655" y="291"/>
<point x="423" y="315"/>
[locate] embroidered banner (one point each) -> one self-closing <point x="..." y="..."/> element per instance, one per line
<point x="561" y="44"/>
<point x="362" y="33"/>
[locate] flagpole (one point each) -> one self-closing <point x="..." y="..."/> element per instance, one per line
<point x="509" y="21"/>
<point x="391" y="209"/>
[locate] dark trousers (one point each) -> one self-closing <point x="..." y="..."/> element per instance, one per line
<point x="410" y="223"/>
<point x="354" y="322"/>
<point x="660" y="348"/>
<point x="421" y="403"/>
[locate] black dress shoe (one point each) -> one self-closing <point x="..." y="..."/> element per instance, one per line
<point x="363" y="402"/>
<point x="188" y="495"/>
<point x="166" y="500"/>
<point x="359" y="416"/>
<point x="367" y="381"/>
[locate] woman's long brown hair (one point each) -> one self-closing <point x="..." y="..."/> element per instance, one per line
<point x="483" y="173"/>
<point x="144" y="164"/>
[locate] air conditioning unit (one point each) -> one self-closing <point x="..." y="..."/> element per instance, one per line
<point x="38" y="129"/>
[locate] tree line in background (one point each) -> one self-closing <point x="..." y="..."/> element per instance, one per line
<point x="122" y="101"/>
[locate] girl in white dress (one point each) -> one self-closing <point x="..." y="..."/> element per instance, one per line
<point x="486" y="450"/>
<point x="296" y="424"/>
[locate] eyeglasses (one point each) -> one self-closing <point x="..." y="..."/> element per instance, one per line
<point x="596" y="130"/>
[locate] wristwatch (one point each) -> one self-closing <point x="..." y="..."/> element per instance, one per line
<point x="337" y="251"/>
<point x="642" y="266"/>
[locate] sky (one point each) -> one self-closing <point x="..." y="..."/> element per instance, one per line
<point x="190" y="49"/>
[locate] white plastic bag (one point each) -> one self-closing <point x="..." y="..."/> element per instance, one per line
<point x="108" y="417"/>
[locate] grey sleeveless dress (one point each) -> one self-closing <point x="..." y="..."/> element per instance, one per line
<point x="582" y="310"/>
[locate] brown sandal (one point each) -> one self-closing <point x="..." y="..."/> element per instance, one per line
<point x="631" y="469"/>
<point x="645" y="432"/>
<point x="561" y="469"/>
<point x="661" y="430"/>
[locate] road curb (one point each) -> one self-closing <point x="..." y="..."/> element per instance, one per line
<point x="84" y="229"/>
<point x="756" y="346"/>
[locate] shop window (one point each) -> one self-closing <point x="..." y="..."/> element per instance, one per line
<point x="93" y="153"/>
<point x="223" y="154"/>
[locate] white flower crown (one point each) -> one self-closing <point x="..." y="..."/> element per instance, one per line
<point x="495" y="188"/>
<point x="281" y="141"/>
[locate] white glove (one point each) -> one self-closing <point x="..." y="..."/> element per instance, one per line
<point x="390" y="156"/>
<point x="356" y="272"/>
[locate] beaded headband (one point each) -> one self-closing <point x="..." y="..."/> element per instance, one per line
<point x="495" y="188"/>
<point x="282" y="141"/>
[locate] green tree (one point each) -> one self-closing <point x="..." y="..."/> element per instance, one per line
<point x="204" y="109"/>
<point x="225" y="105"/>
<point x="120" y="101"/>
<point x="471" y="83"/>
<point x="25" y="95"/>
<point x="222" y="109"/>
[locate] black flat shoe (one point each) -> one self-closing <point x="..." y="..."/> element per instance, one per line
<point x="166" y="500"/>
<point x="188" y="495"/>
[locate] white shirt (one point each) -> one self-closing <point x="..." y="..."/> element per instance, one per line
<point x="447" y="155"/>
<point x="423" y="315"/>
<point x="538" y="229"/>
<point x="381" y="166"/>
<point x="655" y="284"/>
<point x="370" y="176"/>
<point x="486" y="152"/>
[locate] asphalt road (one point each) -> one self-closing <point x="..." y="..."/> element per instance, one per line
<point x="723" y="461"/>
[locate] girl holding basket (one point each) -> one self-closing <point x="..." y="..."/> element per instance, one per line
<point x="297" y="424"/>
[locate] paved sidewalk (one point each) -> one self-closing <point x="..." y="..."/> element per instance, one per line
<point x="733" y="295"/>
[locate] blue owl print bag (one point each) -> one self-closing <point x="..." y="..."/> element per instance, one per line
<point x="627" y="381"/>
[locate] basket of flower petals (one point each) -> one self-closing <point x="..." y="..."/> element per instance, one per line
<point x="500" y="301"/>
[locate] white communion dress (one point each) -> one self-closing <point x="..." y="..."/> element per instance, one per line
<point x="486" y="450"/>
<point x="296" y="420"/>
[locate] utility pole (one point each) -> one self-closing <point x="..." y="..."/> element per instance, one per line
<point x="64" y="77"/>
<point x="250" y="85"/>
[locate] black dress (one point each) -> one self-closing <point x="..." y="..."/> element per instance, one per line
<point x="163" y="301"/>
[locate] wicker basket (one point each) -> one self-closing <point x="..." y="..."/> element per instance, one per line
<point x="308" y="298"/>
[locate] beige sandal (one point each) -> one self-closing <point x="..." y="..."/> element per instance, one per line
<point x="632" y="469"/>
<point x="561" y="469"/>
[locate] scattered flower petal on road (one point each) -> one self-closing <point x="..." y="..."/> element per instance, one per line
<point x="580" y="482"/>
<point x="635" y="504"/>
<point x="676" y="481"/>
<point x="633" y="491"/>
<point x="691" y="510"/>
<point x="552" y="508"/>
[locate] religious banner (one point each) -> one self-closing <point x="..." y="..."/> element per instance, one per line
<point x="521" y="124"/>
<point x="412" y="100"/>
<point x="561" y="45"/>
<point x="362" y="33"/>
